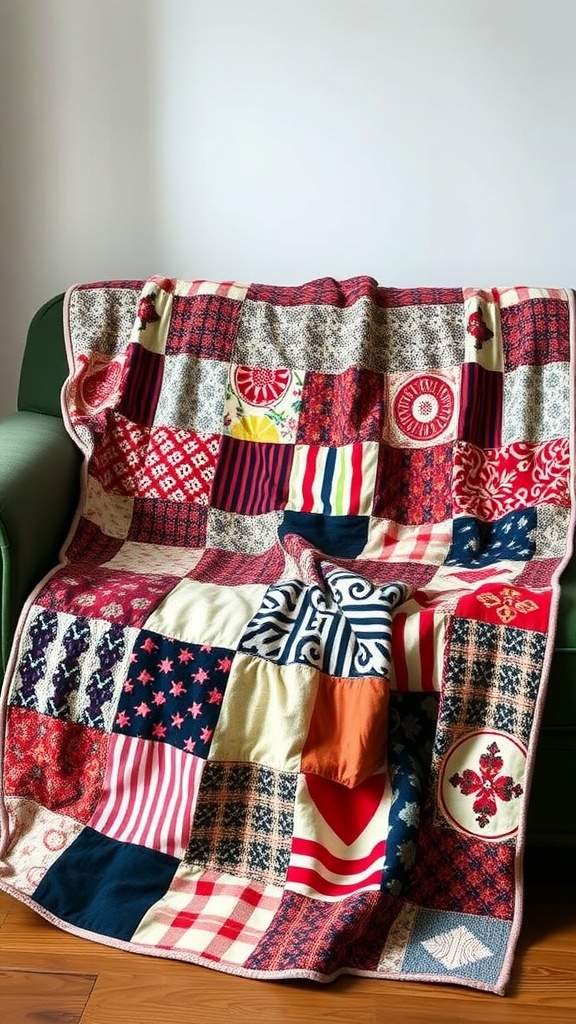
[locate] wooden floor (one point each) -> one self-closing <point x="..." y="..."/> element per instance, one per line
<point x="50" y="977"/>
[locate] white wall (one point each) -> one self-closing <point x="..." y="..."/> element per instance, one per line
<point x="420" y="141"/>
<point x="77" y="195"/>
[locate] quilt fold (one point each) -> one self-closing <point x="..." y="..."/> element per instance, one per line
<point x="275" y="711"/>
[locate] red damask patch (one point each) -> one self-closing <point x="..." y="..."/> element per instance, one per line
<point x="489" y="483"/>
<point x="58" y="764"/>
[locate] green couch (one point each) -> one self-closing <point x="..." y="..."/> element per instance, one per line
<point x="39" y="484"/>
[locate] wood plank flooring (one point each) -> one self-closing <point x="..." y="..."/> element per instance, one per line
<point x="50" y="977"/>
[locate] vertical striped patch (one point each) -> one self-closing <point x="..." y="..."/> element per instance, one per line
<point x="149" y="795"/>
<point x="480" y="420"/>
<point x="418" y="649"/>
<point x="333" y="481"/>
<point x="251" y="476"/>
<point x="141" y="385"/>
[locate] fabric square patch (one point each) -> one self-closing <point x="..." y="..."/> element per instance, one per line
<point x="505" y="604"/>
<point x="142" y="380"/>
<point x="343" y="628"/>
<point x="414" y="486"/>
<point x="171" y="523"/>
<point x="155" y="559"/>
<point x="72" y="668"/>
<point x="480" y="420"/>
<point x="210" y="913"/>
<point x="418" y="643"/>
<point x="339" y="840"/>
<point x="252" y="476"/>
<point x="322" y="937"/>
<point x="483" y="342"/>
<point x="413" y="720"/>
<point x="193" y="394"/>
<point x="422" y="409"/>
<point x="457" y="946"/>
<point x="204" y="326"/>
<point x="405" y="337"/>
<point x="390" y="542"/>
<point x="263" y="404"/>
<point x="322" y="291"/>
<point x="112" y="513"/>
<point x="116" y="595"/>
<point x="107" y="875"/>
<point x="490" y="483"/>
<point x="476" y="544"/>
<point x="458" y="872"/>
<point x="243" y="821"/>
<point x="148" y="795"/>
<point x="492" y="680"/>
<point x="341" y="408"/>
<point x="90" y="545"/>
<point x="58" y="764"/>
<point x="38" y="838"/>
<point x="156" y="462"/>
<point x="333" y="481"/>
<point x="153" y="315"/>
<point x="346" y="736"/>
<point x="337" y="536"/>
<point x="249" y="535"/>
<point x="230" y="568"/>
<point x="537" y="403"/>
<point x="173" y="692"/>
<point x="207" y="614"/>
<point x="266" y="713"/>
<point x="536" y="331"/>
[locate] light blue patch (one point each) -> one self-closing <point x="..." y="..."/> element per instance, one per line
<point x="457" y="946"/>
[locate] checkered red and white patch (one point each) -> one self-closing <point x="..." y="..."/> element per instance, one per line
<point x="211" y="913"/>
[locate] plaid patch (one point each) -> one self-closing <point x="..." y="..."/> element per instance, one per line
<point x="218" y="915"/>
<point x="414" y="485"/>
<point x="204" y="326"/>
<point x="491" y="680"/>
<point x="394" y="543"/>
<point x="341" y="408"/>
<point x="310" y="935"/>
<point x="325" y="292"/>
<point x="182" y="524"/>
<point x="461" y="873"/>
<point x="224" y="289"/>
<point x="243" y="821"/>
<point x="536" y="332"/>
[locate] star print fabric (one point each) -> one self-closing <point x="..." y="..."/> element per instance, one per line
<point x="173" y="692"/>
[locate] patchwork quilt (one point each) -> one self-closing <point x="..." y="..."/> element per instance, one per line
<point x="275" y="711"/>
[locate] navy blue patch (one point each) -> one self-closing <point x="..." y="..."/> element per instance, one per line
<point x="105" y="886"/>
<point x="173" y="692"/>
<point x="338" y="536"/>
<point x="411" y="732"/>
<point x="476" y="544"/>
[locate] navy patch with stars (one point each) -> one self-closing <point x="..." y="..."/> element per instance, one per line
<point x="173" y="692"/>
<point x="476" y="544"/>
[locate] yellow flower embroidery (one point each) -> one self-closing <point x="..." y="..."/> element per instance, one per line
<point x="255" y="428"/>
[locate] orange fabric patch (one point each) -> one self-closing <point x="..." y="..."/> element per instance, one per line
<point x="346" y="740"/>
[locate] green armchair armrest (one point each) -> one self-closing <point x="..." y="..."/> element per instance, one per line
<point x="39" y="487"/>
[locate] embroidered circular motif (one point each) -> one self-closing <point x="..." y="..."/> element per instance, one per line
<point x="481" y="784"/>
<point x="97" y="384"/>
<point x="259" y="385"/>
<point x="423" y="407"/>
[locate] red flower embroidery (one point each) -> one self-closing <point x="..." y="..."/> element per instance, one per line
<point x="488" y="785"/>
<point x="260" y="385"/>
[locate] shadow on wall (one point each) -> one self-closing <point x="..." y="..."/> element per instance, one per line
<point x="77" y="195"/>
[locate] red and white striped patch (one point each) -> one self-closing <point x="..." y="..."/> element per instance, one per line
<point x="315" y="871"/>
<point x="334" y="481"/>
<point x="391" y="542"/>
<point x="149" y="795"/>
<point x="418" y="636"/>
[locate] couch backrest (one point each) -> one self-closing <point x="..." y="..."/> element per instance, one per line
<point x="44" y="365"/>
